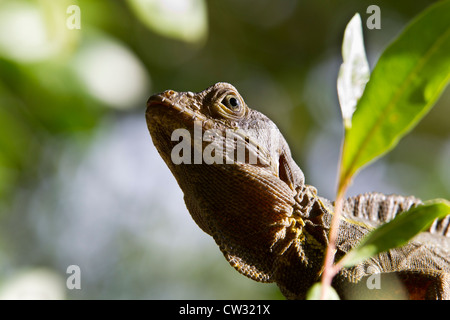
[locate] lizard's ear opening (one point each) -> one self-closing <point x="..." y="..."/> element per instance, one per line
<point x="289" y="172"/>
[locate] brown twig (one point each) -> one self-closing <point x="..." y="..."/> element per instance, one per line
<point x="331" y="269"/>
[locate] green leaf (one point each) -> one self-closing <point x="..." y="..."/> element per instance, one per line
<point x="398" y="231"/>
<point x="315" y="292"/>
<point x="407" y="80"/>
<point x="354" y="72"/>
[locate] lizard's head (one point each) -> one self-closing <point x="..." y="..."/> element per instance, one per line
<point x="234" y="167"/>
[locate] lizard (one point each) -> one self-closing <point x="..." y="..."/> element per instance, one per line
<point x="269" y="224"/>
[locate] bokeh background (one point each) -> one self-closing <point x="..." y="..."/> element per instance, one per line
<point x="80" y="181"/>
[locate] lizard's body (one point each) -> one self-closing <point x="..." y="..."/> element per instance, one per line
<point x="268" y="223"/>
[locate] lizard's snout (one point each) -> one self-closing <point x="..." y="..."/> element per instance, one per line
<point x="164" y="98"/>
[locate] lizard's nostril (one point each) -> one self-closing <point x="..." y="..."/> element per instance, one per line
<point x="169" y="93"/>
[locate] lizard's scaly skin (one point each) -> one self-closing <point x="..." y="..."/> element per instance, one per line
<point x="269" y="224"/>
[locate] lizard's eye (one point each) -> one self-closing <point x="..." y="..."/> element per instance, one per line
<point x="228" y="105"/>
<point x="231" y="102"/>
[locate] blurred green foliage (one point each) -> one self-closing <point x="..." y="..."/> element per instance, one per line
<point x="81" y="183"/>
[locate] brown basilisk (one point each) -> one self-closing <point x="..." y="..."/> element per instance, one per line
<point x="269" y="224"/>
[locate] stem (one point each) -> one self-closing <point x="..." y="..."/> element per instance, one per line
<point x="331" y="269"/>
